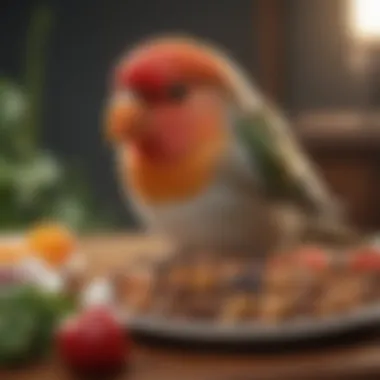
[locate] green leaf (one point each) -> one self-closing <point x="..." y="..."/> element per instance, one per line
<point x="33" y="178"/>
<point x="7" y="173"/>
<point x="28" y="318"/>
<point x="13" y="107"/>
<point x="70" y="211"/>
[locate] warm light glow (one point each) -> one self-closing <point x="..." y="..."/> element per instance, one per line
<point x="366" y="18"/>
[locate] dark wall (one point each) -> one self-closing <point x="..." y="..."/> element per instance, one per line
<point x="14" y="18"/>
<point x="320" y="56"/>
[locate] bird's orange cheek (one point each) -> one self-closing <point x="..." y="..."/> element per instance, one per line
<point x="175" y="132"/>
<point x="171" y="131"/>
<point x="187" y="136"/>
<point x="180" y="139"/>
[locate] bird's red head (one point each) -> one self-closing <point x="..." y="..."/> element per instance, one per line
<point x="158" y="70"/>
<point x="174" y="92"/>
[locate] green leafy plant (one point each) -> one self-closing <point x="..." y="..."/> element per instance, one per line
<point x="34" y="184"/>
<point x="29" y="317"/>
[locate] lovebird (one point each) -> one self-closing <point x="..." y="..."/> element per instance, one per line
<point x="206" y="159"/>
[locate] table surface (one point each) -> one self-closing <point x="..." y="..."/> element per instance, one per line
<point x="356" y="361"/>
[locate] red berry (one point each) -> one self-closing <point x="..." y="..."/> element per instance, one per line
<point x="366" y="259"/>
<point x="313" y="258"/>
<point x="93" y="341"/>
<point x="281" y="260"/>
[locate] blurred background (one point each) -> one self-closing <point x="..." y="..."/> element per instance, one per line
<point x="318" y="59"/>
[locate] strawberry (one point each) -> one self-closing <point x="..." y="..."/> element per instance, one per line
<point x="313" y="258"/>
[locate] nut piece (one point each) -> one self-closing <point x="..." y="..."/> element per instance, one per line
<point x="273" y="308"/>
<point x="280" y="275"/>
<point x="135" y="290"/>
<point x="204" y="277"/>
<point x="346" y="293"/>
<point x="238" y="308"/>
<point x="179" y="277"/>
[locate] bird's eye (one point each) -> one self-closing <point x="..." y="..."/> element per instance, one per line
<point x="177" y="92"/>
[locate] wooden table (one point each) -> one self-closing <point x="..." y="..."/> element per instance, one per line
<point x="360" y="361"/>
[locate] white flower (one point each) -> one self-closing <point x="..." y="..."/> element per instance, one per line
<point x="98" y="292"/>
<point x="40" y="274"/>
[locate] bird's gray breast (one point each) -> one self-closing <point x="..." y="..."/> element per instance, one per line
<point x="227" y="212"/>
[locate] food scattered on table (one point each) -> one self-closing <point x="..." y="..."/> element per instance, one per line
<point x="47" y="303"/>
<point x="43" y="280"/>
<point x="33" y="293"/>
<point x="308" y="282"/>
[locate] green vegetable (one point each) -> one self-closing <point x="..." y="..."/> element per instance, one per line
<point x="36" y="185"/>
<point x="28" y="318"/>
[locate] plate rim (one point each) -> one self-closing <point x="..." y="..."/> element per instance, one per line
<point x="299" y="328"/>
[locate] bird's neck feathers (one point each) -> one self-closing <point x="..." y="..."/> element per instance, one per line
<point x="160" y="183"/>
<point x="241" y="87"/>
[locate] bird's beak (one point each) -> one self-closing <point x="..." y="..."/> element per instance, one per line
<point x="124" y="119"/>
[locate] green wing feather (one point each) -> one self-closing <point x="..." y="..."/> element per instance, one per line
<point x="284" y="169"/>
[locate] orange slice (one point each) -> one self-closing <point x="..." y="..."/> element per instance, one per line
<point x="11" y="254"/>
<point x="51" y="242"/>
